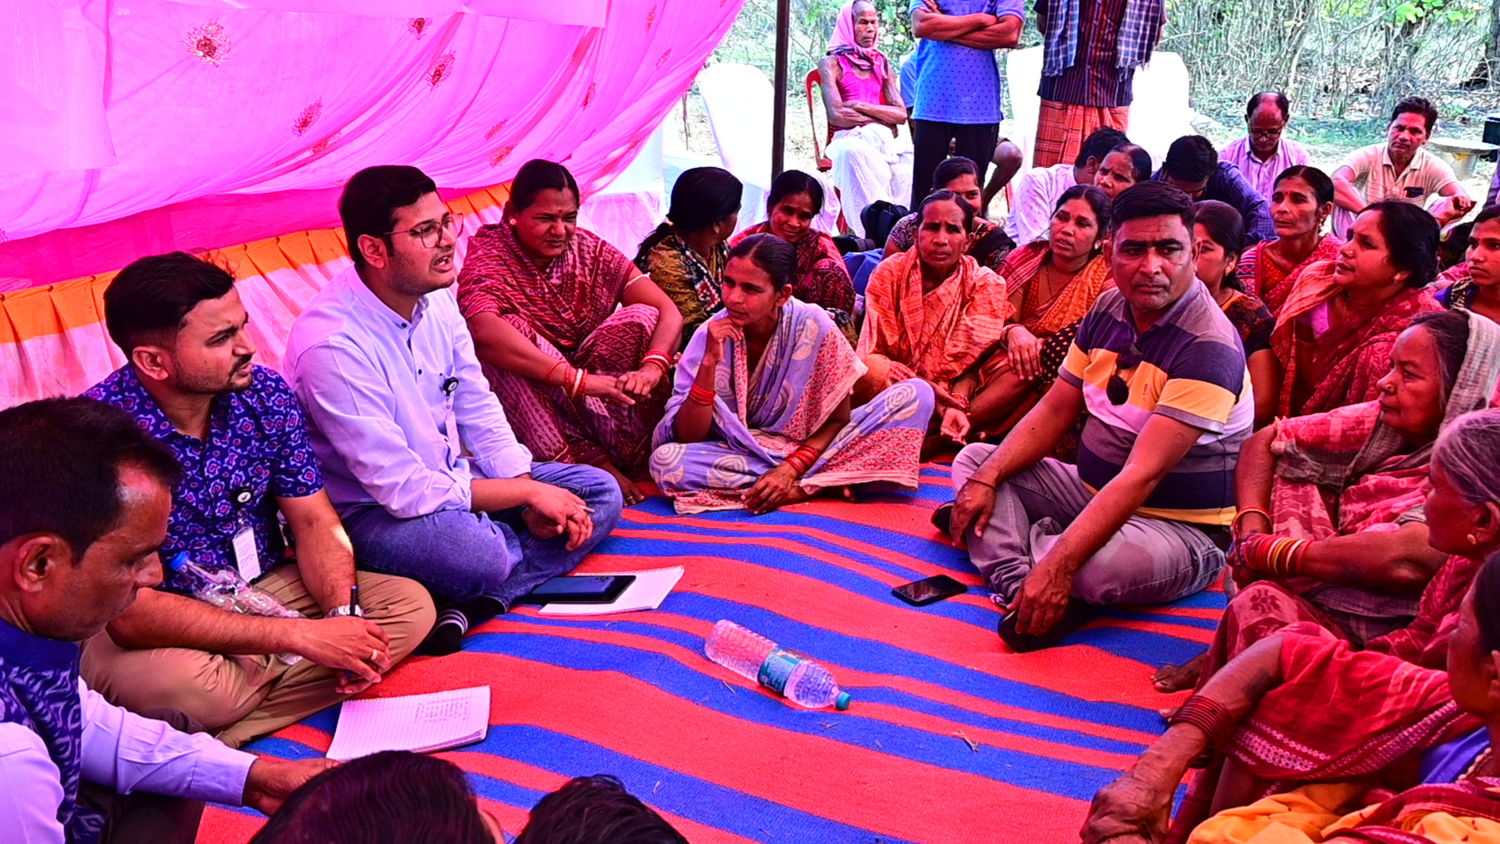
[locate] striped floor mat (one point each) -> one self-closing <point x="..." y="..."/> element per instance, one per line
<point x="949" y="739"/>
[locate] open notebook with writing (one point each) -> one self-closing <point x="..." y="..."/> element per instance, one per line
<point x="419" y="723"/>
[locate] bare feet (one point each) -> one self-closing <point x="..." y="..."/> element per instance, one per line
<point x="1175" y="678"/>
<point x="628" y="488"/>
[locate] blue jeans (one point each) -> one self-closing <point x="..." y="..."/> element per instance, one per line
<point x="461" y="555"/>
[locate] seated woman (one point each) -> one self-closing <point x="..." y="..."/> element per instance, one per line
<point x="1300" y="706"/>
<point x="685" y="255"/>
<point x="820" y="277"/>
<point x="1343" y="728"/>
<point x="1330" y="526"/>
<point x="1125" y="165"/>
<point x="1334" y="334"/>
<point x="1219" y="235"/>
<point x="1301" y="203"/>
<point x="1052" y="283"/>
<point x="575" y="340"/>
<point x="862" y="99"/>
<point x="1478" y="288"/>
<point x="988" y="244"/>
<point x="761" y="413"/>
<point x="931" y="312"/>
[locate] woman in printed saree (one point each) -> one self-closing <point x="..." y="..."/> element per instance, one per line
<point x="1219" y="236"/>
<point x="574" y="339"/>
<point x="1477" y="290"/>
<point x="1301" y="203"/>
<point x="931" y="312"/>
<point x="1298" y="710"/>
<point x="761" y="413"/>
<point x="1334" y="335"/>
<point x="1051" y="284"/>
<point x="1331" y="528"/>
<point x="1302" y="707"/>
<point x="988" y="243"/>
<point x="820" y="277"/>
<point x="685" y="255"/>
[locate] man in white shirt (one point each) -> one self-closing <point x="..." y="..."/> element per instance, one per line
<point x="78" y="540"/>
<point x="1262" y="154"/>
<point x="416" y="452"/>
<point x="1037" y="190"/>
<point x="1400" y="169"/>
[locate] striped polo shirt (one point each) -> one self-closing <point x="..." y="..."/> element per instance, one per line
<point x="1192" y="369"/>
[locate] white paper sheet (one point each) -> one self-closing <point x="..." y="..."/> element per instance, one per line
<point x="419" y="723"/>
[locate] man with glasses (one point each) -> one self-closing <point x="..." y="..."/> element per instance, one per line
<point x="1144" y="516"/>
<point x="419" y="457"/>
<point x="1263" y="153"/>
<point x="191" y="382"/>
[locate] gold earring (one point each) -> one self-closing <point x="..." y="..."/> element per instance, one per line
<point x="1473" y="540"/>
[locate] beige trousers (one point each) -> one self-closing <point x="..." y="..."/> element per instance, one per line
<point x="241" y="697"/>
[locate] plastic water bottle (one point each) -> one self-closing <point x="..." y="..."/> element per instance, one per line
<point x="226" y="590"/>
<point x="789" y="674"/>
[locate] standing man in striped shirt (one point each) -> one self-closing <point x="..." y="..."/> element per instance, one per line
<point x="1091" y="51"/>
<point x="1144" y="516"/>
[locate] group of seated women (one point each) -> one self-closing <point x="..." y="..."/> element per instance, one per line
<point x="1350" y="689"/>
<point x="1366" y="500"/>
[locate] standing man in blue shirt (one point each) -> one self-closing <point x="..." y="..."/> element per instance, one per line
<point x="958" y="83"/>
<point x="239" y="434"/>
<point x="420" y="459"/>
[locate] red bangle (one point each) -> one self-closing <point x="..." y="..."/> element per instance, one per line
<point x="659" y="359"/>
<point x="577" y="388"/>
<point x="1208" y="715"/>
<point x="548" y="378"/>
<point x="701" y="395"/>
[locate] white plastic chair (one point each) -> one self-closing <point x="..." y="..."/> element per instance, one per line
<point x="626" y="210"/>
<point x="738" y="100"/>
<point x="1159" y="110"/>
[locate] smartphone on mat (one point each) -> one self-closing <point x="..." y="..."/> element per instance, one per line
<point x="580" y="589"/>
<point x="920" y="593"/>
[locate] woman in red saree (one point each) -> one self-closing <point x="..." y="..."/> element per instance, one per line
<point x="1331" y="527"/>
<point x="794" y="201"/>
<point x="1302" y="706"/>
<point x="1334" y="334"/>
<point x="575" y="340"/>
<point x="1301" y="203"/>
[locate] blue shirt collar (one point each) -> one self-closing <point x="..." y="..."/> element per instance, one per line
<point x="38" y="652"/>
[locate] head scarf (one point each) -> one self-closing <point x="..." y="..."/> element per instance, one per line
<point x="1473" y="387"/>
<point x="842" y="42"/>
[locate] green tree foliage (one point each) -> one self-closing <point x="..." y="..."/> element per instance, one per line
<point x="1335" y="58"/>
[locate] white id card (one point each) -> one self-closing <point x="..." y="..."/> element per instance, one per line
<point x="246" y="555"/>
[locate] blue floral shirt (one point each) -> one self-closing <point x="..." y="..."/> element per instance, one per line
<point x="257" y="451"/>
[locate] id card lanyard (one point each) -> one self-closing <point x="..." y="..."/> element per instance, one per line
<point x="246" y="549"/>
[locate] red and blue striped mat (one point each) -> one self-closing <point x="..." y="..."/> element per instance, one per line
<point x="949" y="738"/>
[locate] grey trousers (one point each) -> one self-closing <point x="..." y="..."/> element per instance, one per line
<point x="1147" y="561"/>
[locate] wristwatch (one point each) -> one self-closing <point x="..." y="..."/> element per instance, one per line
<point x="344" y="610"/>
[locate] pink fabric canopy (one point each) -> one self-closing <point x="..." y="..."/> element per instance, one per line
<point x="197" y="124"/>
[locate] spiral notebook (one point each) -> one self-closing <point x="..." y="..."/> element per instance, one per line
<point x="419" y="723"/>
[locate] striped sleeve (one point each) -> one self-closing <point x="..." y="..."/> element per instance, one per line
<point x="1204" y="385"/>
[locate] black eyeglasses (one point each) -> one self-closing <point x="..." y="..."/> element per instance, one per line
<point x="1117" y="389"/>
<point x="430" y="232"/>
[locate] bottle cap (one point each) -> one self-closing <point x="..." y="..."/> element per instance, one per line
<point x="179" y="560"/>
<point x="842" y="702"/>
